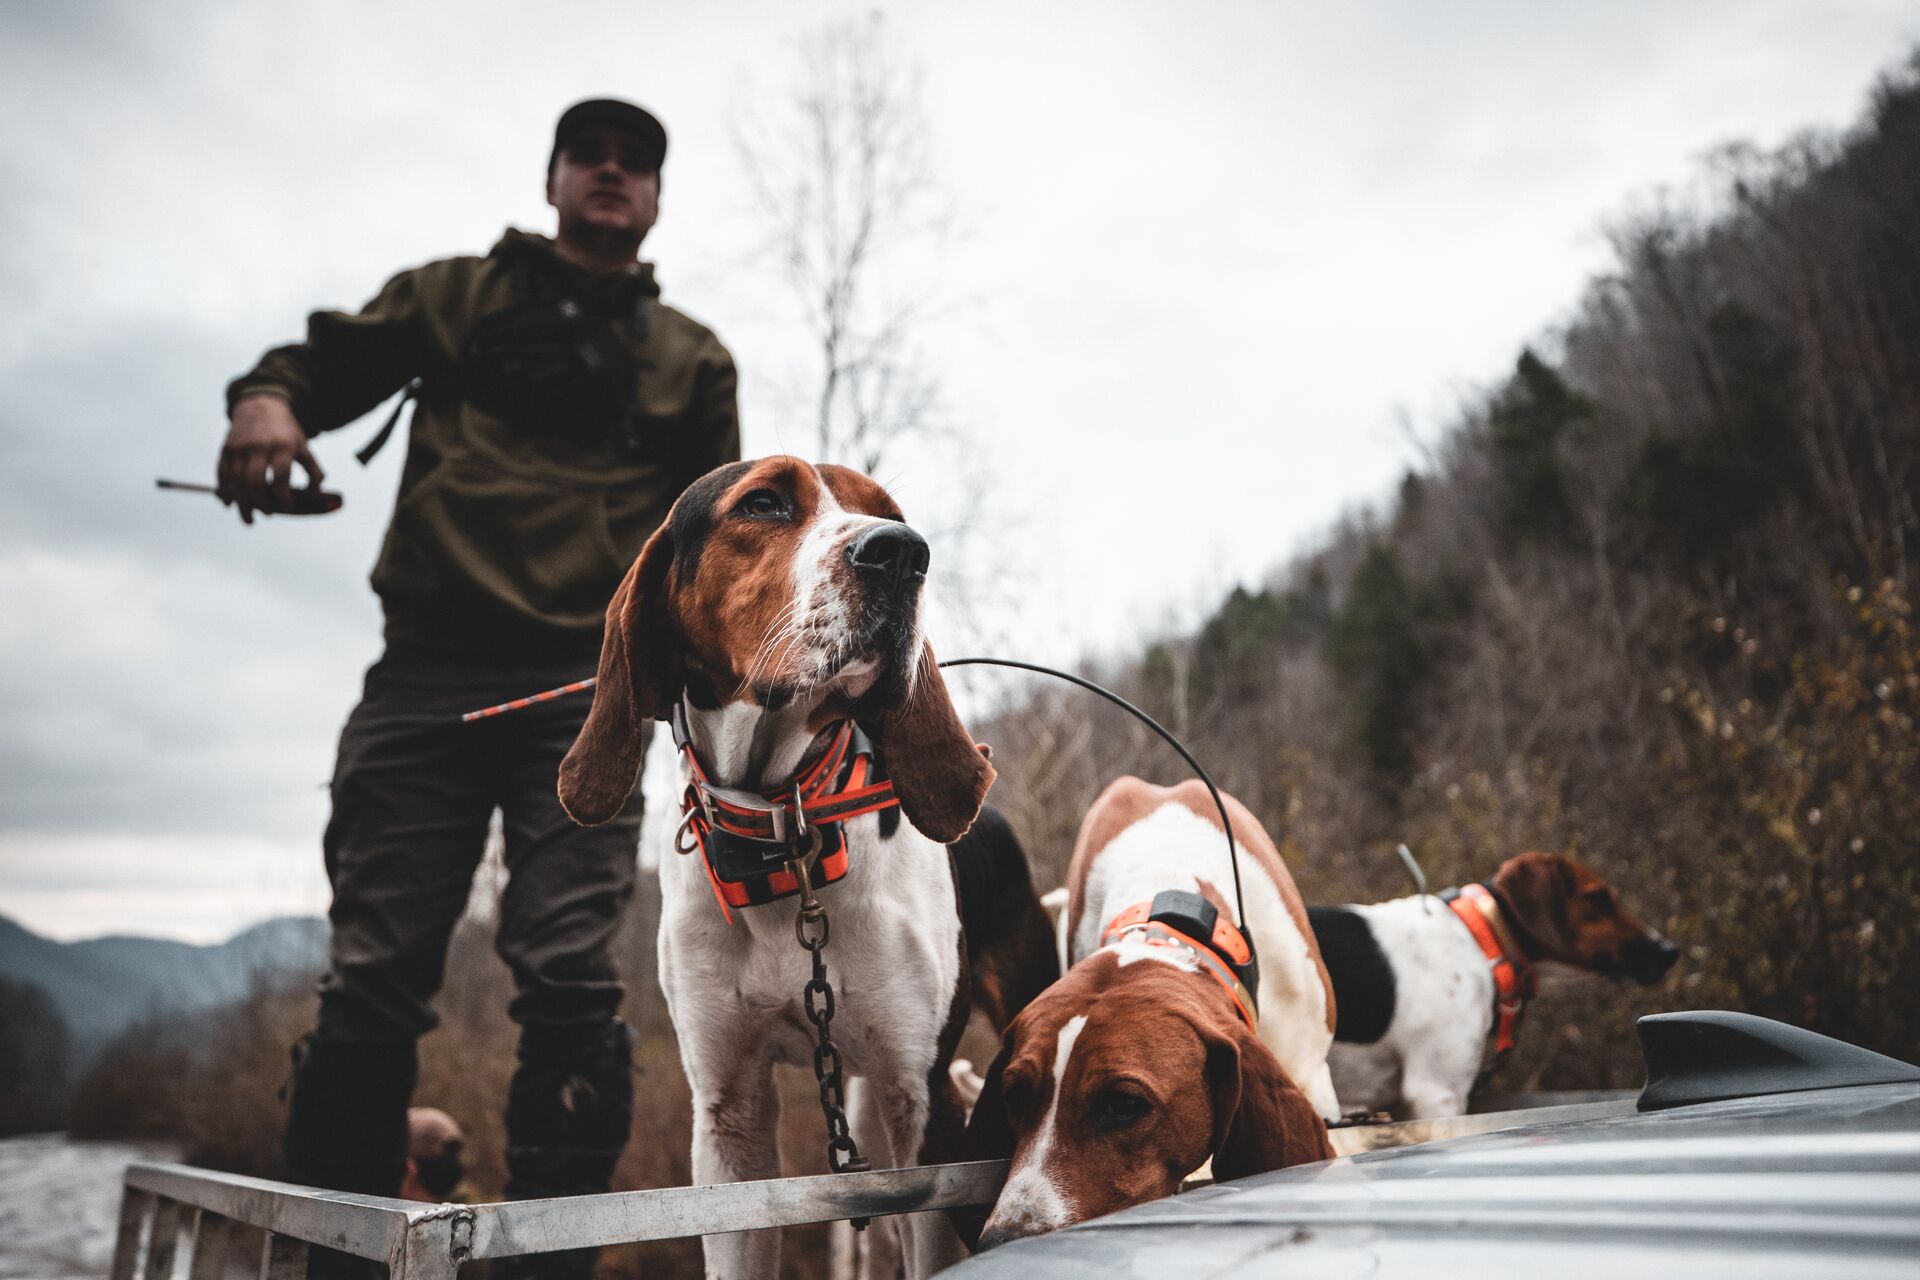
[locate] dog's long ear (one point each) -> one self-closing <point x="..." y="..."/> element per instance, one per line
<point x="1261" y="1120"/>
<point x="989" y="1137"/>
<point x="989" y="1131"/>
<point x="639" y="675"/>
<point x="939" y="775"/>
<point x="1536" y="887"/>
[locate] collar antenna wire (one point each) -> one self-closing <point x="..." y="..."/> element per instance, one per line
<point x="1226" y="823"/>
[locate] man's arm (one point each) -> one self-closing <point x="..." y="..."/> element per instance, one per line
<point x="713" y="435"/>
<point x="347" y="365"/>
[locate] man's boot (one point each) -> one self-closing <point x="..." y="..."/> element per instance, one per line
<point x="347" y="1127"/>
<point x="568" y="1112"/>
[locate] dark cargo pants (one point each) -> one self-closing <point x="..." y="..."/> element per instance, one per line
<point x="413" y="792"/>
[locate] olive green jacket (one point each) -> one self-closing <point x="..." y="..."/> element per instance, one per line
<point x="506" y="543"/>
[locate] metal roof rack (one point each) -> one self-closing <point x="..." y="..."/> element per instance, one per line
<point x="167" y="1208"/>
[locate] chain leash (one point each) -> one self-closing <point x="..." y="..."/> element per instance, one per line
<point x="811" y="928"/>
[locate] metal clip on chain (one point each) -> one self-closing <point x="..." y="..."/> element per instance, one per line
<point x="811" y="929"/>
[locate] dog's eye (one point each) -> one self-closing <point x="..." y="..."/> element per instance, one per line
<point x="1599" y="899"/>
<point x="1115" y="1109"/>
<point x="764" y="504"/>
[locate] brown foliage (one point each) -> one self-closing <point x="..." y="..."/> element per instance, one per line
<point x="1805" y="811"/>
<point x="1603" y="621"/>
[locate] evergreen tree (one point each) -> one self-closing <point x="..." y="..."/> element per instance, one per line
<point x="1527" y="433"/>
<point x="1377" y="653"/>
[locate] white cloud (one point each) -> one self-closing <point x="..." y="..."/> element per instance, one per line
<point x="1215" y="251"/>
<point x="147" y="697"/>
<point x="192" y="887"/>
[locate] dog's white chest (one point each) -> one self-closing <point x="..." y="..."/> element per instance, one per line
<point x="893" y="954"/>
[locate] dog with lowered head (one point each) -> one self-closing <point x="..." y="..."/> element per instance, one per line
<point x="1144" y="1060"/>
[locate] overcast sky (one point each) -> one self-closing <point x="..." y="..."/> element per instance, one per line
<point x="1215" y="256"/>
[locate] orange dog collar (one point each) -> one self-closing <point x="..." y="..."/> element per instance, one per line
<point x="1140" y="923"/>
<point x="745" y="841"/>
<point x="1513" y="983"/>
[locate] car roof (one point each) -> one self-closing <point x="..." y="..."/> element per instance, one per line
<point x="1823" y="1181"/>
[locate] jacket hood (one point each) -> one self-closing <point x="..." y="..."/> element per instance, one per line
<point x="515" y="243"/>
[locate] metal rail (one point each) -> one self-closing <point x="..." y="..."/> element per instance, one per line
<point x="167" y="1208"/>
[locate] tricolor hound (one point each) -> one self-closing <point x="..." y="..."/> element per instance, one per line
<point x="1150" y="1056"/>
<point x="1421" y="982"/>
<point x="774" y="620"/>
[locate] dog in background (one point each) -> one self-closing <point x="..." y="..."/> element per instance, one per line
<point x="1422" y="982"/>
<point x="1150" y="1056"/>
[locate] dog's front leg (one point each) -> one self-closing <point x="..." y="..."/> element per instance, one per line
<point x="923" y="1117"/>
<point x="1317" y="1083"/>
<point x="735" y="1139"/>
<point x="1431" y="1099"/>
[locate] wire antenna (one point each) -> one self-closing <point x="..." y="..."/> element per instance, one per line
<point x="1226" y="823"/>
<point x="1412" y="865"/>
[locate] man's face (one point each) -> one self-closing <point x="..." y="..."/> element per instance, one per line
<point x="604" y="180"/>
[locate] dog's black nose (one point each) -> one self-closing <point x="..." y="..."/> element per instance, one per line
<point x="1648" y="959"/>
<point x="890" y="553"/>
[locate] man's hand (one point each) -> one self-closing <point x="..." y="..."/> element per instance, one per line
<point x="255" y="471"/>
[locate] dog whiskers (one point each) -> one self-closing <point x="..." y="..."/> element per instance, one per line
<point x="782" y="627"/>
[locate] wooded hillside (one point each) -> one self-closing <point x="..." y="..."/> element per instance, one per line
<point x="1648" y="601"/>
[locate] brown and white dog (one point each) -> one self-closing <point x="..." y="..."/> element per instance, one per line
<point x="1137" y="1066"/>
<point x="1422" y="981"/>
<point x="779" y="601"/>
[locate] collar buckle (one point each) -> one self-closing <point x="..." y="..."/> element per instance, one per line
<point x="749" y="841"/>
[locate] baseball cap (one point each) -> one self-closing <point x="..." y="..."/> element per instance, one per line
<point x="615" y="114"/>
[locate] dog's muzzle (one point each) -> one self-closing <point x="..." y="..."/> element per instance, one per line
<point x="892" y="558"/>
<point x="1647" y="960"/>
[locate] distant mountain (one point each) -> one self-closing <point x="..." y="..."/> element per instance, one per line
<point x="102" y="985"/>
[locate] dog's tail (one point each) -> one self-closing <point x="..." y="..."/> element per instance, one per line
<point x="1010" y="946"/>
<point x="1054" y="903"/>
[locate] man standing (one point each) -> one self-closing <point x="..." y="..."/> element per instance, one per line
<point x="560" y="410"/>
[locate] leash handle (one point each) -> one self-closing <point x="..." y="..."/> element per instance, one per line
<point x="545" y="695"/>
<point x="1226" y="823"/>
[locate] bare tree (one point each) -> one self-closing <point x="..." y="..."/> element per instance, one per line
<point x="861" y="229"/>
<point x="859" y="225"/>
